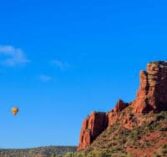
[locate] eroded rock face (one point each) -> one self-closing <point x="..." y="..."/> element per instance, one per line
<point x="92" y="126"/>
<point x="97" y="122"/>
<point x="120" y="106"/>
<point x="151" y="96"/>
<point x="152" y="93"/>
<point x="114" y="115"/>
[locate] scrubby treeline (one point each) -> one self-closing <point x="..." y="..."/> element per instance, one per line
<point x="37" y="152"/>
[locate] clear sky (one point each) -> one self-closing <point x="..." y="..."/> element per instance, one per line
<point x="60" y="60"/>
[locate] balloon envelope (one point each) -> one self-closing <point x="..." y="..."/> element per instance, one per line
<point x="15" y="110"/>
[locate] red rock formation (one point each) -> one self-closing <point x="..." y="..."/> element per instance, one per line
<point x="91" y="128"/>
<point x="120" y="106"/>
<point x="98" y="122"/>
<point x="114" y="114"/>
<point x="151" y="96"/>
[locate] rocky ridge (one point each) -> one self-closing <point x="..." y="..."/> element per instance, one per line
<point x="151" y="100"/>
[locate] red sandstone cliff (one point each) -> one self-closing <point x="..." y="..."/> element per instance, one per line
<point x="97" y="122"/>
<point x="92" y="126"/>
<point x="151" y="96"/>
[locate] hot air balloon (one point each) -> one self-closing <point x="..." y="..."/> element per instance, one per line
<point x="15" y="110"/>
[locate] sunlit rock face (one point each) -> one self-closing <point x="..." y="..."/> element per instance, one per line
<point x="151" y="97"/>
<point x="92" y="126"/>
<point x="114" y="115"/>
<point x="152" y="93"/>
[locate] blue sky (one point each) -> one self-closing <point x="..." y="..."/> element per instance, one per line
<point x="61" y="60"/>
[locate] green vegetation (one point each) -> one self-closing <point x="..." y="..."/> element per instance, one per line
<point x="37" y="152"/>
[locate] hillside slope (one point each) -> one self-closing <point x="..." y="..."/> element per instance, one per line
<point x="149" y="139"/>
